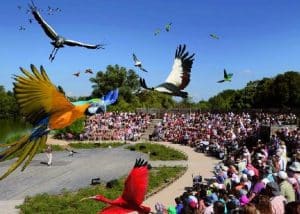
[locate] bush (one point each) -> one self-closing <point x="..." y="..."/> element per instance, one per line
<point x="158" y="152"/>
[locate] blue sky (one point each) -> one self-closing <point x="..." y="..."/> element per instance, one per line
<point x="258" y="38"/>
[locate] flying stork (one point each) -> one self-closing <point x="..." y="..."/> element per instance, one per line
<point x="179" y="77"/>
<point x="58" y="41"/>
<point x="138" y="63"/>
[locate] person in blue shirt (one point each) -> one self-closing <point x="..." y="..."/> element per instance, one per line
<point x="179" y="205"/>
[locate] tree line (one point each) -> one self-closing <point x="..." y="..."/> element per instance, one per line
<point x="281" y="91"/>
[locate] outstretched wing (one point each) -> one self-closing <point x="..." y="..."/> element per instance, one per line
<point x="136" y="183"/>
<point x="135" y="59"/>
<point x="80" y="44"/>
<point x="143" y="84"/>
<point x="181" y="70"/>
<point x="46" y="27"/>
<point x="37" y="97"/>
<point x="113" y="98"/>
<point x="225" y="74"/>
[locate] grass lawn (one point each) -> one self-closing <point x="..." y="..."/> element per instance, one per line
<point x="95" y="145"/>
<point x="68" y="202"/>
<point x="158" y="152"/>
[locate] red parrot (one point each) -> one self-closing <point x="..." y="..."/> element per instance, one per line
<point x="133" y="194"/>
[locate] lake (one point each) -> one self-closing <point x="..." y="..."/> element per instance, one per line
<point x="10" y="127"/>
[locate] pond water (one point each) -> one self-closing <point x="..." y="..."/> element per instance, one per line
<point x="12" y="127"/>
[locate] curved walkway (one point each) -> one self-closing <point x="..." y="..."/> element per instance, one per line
<point x="198" y="164"/>
<point x="66" y="172"/>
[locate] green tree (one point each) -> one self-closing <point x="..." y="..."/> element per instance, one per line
<point x="117" y="77"/>
<point x="8" y="104"/>
<point x="223" y="101"/>
<point x="286" y="89"/>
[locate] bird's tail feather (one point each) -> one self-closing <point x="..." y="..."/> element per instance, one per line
<point x="23" y="148"/>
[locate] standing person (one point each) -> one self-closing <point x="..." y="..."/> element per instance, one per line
<point x="286" y="188"/>
<point x="49" y="155"/>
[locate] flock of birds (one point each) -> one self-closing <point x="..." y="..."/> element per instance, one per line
<point x="50" y="11"/>
<point x="51" y="110"/>
<point x="167" y="29"/>
<point x="177" y="80"/>
<point x="87" y="71"/>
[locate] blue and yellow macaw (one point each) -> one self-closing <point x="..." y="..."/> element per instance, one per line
<point x="110" y="98"/>
<point x="46" y="109"/>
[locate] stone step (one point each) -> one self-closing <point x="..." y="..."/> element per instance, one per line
<point x="150" y="129"/>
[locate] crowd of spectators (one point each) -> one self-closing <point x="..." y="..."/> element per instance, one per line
<point x="113" y="126"/>
<point x="255" y="176"/>
<point x="116" y="126"/>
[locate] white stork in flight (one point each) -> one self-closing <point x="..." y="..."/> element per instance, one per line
<point x="138" y="63"/>
<point x="179" y="77"/>
<point x="58" y="41"/>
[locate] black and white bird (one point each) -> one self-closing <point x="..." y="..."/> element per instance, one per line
<point x="138" y="63"/>
<point x="71" y="152"/>
<point x="58" y="41"/>
<point x="21" y="28"/>
<point x="179" y="77"/>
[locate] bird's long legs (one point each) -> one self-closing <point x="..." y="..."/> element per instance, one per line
<point x="50" y="57"/>
<point x="53" y="54"/>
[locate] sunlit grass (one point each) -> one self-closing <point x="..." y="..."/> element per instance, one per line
<point x="69" y="202"/>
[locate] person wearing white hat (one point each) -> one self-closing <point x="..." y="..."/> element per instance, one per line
<point x="286" y="188"/>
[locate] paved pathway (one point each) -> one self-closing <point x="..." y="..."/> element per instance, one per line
<point x="66" y="172"/>
<point x="197" y="164"/>
<point x="71" y="173"/>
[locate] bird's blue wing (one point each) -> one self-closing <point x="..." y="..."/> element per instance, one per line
<point x="107" y="96"/>
<point x="111" y="97"/>
<point x="115" y="96"/>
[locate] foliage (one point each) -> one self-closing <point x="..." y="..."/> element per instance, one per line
<point x="8" y="104"/>
<point x="223" y="100"/>
<point x="203" y="105"/>
<point x="69" y="202"/>
<point x="154" y="99"/>
<point x="95" y="145"/>
<point x="130" y="95"/>
<point x="158" y="152"/>
<point x="283" y="91"/>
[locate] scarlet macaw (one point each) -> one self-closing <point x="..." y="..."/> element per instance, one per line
<point x="133" y="194"/>
<point x="46" y="109"/>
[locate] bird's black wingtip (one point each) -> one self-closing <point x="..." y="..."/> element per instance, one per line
<point x="140" y="163"/>
<point x="100" y="46"/>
